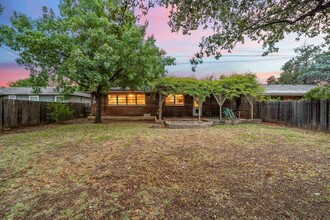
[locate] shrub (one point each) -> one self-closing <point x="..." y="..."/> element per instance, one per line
<point x="59" y="112"/>
<point x="318" y="93"/>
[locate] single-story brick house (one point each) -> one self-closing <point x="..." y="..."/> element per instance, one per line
<point x="123" y="102"/>
<point x="47" y="94"/>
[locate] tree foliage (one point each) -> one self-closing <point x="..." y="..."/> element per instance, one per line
<point x="292" y="70"/>
<point x="234" y="21"/>
<point x="318" y="93"/>
<point x="236" y="85"/>
<point x="233" y="86"/>
<point x="29" y="82"/>
<point x="318" y="71"/>
<point x="93" y="44"/>
<point x="310" y="66"/>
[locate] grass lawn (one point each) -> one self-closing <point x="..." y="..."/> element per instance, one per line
<point x="126" y="170"/>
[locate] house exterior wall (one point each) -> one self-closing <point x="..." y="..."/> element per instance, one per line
<point x="151" y="107"/>
<point x="210" y="107"/>
<point x="51" y="98"/>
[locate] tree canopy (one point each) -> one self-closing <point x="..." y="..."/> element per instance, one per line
<point x="236" y="85"/>
<point x="93" y="44"/>
<point x="231" y="87"/>
<point x="318" y="93"/>
<point x="28" y="82"/>
<point x="235" y="21"/>
<point x="311" y="65"/>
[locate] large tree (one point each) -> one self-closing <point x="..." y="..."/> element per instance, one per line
<point x="292" y="70"/>
<point x="233" y="21"/>
<point x="94" y="44"/>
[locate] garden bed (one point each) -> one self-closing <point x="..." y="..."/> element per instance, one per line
<point x="187" y="123"/>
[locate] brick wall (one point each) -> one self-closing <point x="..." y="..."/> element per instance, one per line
<point x="210" y="108"/>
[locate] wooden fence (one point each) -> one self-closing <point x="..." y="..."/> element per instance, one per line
<point x="17" y="113"/>
<point x="302" y="114"/>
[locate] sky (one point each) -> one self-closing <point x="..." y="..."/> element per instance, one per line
<point x="244" y="58"/>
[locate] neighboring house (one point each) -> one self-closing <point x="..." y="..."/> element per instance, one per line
<point x="47" y="94"/>
<point x="287" y="92"/>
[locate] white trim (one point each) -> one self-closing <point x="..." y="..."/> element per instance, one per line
<point x="34" y="96"/>
<point x="13" y="97"/>
<point x="58" y="96"/>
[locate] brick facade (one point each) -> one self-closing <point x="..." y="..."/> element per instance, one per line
<point x="210" y="107"/>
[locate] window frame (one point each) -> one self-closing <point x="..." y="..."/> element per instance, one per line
<point x="34" y="96"/>
<point x="12" y="97"/>
<point x="126" y="98"/>
<point x="175" y="103"/>
<point x="58" y="96"/>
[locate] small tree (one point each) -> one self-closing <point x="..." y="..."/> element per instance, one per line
<point x="200" y="89"/>
<point x="237" y="86"/>
<point x="318" y="93"/>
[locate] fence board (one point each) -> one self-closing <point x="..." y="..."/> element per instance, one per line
<point x="16" y="113"/>
<point x="302" y="114"/>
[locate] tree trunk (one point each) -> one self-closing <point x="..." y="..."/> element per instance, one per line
<point x="200" y="103"/>
<point x="98" y="108"/>
<point x="160" y="106"/>
<point x="220" y="110"/>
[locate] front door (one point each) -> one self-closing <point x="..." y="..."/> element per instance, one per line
<point x="195" y="108"/>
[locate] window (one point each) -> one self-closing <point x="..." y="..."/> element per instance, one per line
<point x="195" y="103"/>
<point x="34" y="98"/>
<point x="59" y="99"/>
<point x="140" y="99"/>
<point x="126" y="99"/>
<point x="131" y="99"/>
<point x="175" y="100"/>
<point x="12" y="97"/>
<point x="112" y="99"/>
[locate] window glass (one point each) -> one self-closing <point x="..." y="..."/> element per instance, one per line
<point x="34" y="98"/>
<point x="141" y="99"/>
<point x="179" y="100"/>
<point x="121" y="99"/>
<point x="169" y="100"/>
<point x="59" y="99"/>
<point x="112" y="99"/>
<point x="195" y="103"/>
<point x="131" y="99"/>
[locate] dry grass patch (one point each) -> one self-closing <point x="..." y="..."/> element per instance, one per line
<point x="133" y="171"/>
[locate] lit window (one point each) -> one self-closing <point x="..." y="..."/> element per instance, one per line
<point x="175" y="100"/>
<point x="112" y="99"/>
<point x="140" y="99"/>
<point x="34" y="98"/>
<point x="131" y="99"/>
<point x="126" y="99"/>
<point x="169" y="100"/>
<point x="12" y="97"/>
<point x="195" y="103"/>
<point x="179" y="100"/>
<point x="121" y="99"/>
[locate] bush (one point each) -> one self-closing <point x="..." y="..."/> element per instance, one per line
<point x="318" y="93"/>
<point x="59" y="112"/>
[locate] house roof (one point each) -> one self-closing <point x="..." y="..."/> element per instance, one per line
<point x="29" y="91"/>
<point x="288" y="90"/>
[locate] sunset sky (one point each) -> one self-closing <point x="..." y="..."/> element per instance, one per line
<point x="246" y="57"/>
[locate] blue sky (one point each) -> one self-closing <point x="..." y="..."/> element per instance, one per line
<point x="244" y="58"/>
